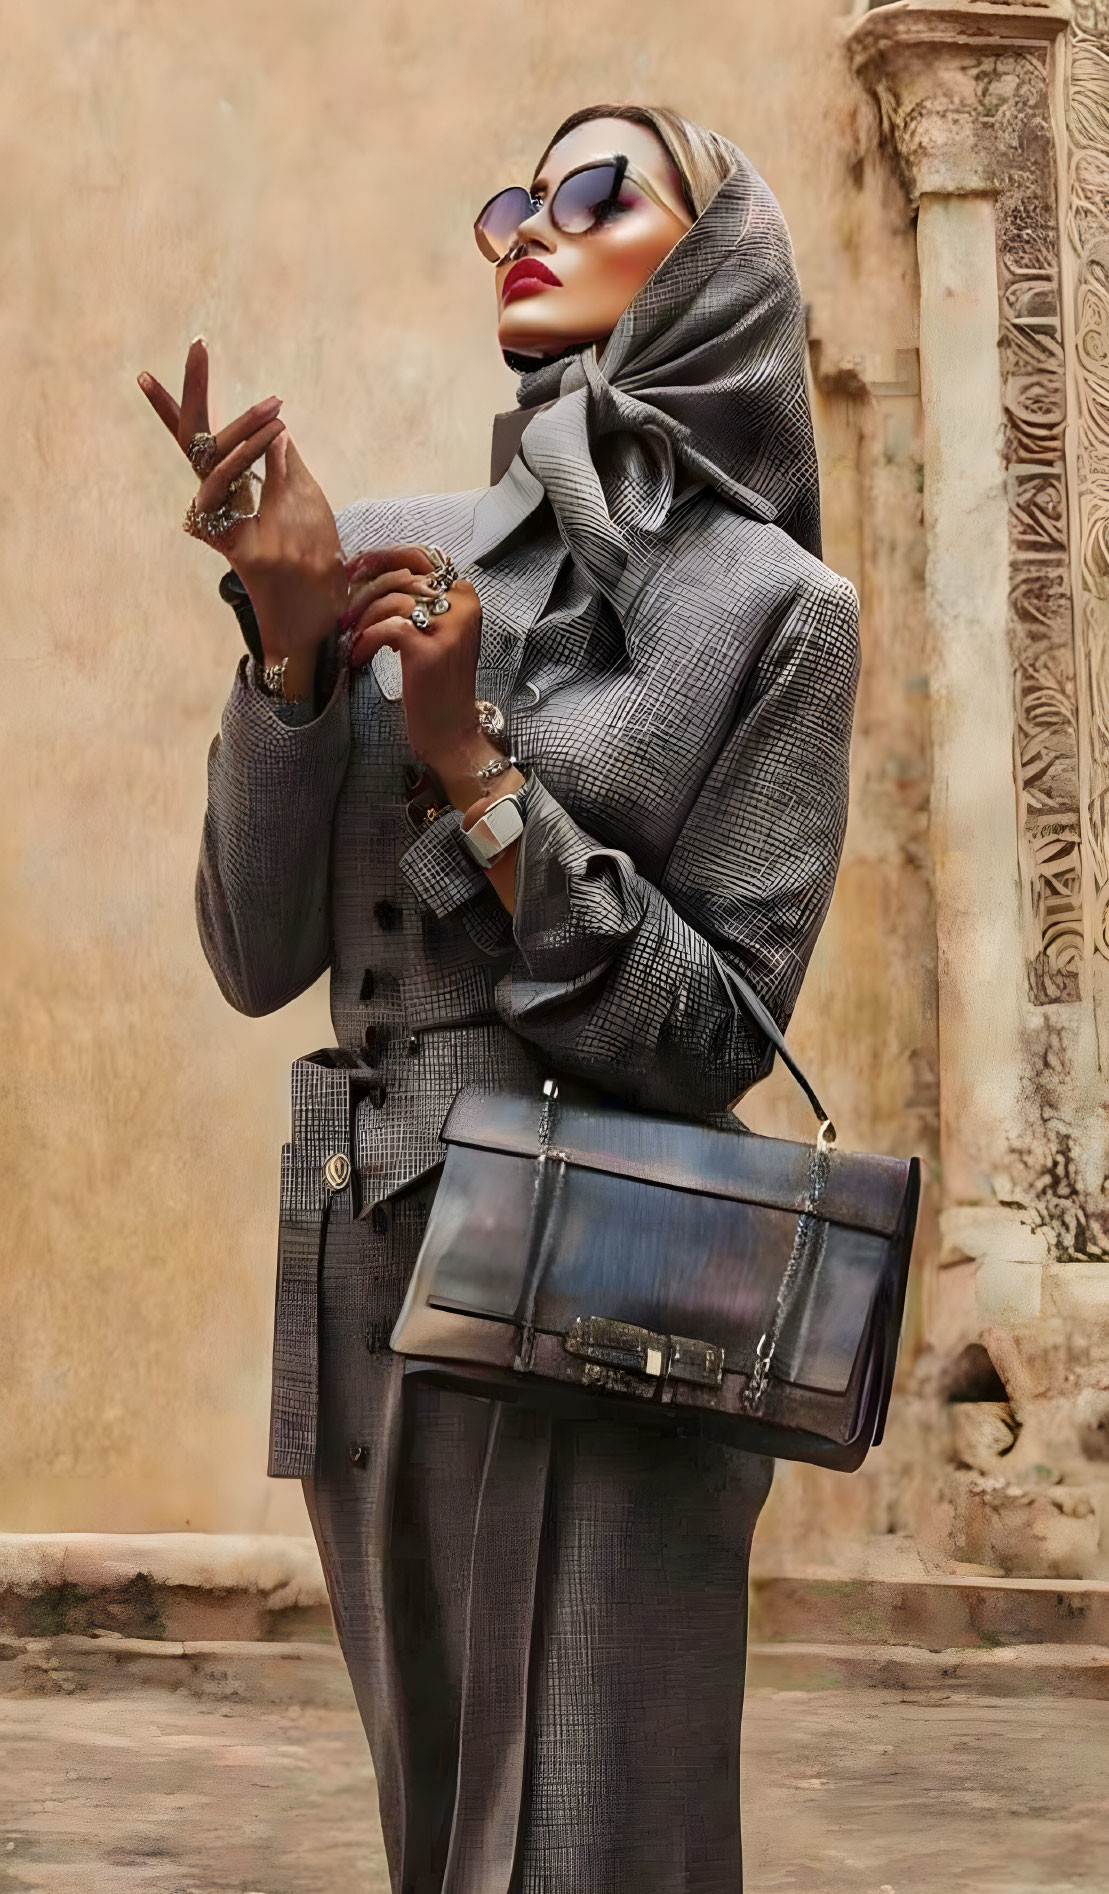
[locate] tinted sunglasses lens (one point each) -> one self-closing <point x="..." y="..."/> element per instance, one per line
<point x="496" y="226"/>
<point x="578" y="198"/>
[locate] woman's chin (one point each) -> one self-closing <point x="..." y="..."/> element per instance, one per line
<point x="538" y="346"/>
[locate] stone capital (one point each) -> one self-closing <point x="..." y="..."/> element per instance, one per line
<point x="948" y="81"/>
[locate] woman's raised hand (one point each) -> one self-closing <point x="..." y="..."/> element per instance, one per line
<point x="438" y="665"/>
<point x="288" y="554"/>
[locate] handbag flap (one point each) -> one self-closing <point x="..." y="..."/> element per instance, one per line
<point x="623" y="1249"/>
<point x="864" y="1191"/>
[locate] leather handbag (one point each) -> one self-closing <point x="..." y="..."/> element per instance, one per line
<point x="606" y="1262"/>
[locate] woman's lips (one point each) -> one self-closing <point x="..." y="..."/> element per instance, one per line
<point x="525" y="277"/>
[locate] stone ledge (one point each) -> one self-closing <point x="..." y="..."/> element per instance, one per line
<point x="222" y="1670"/>
<point x="165" y="1585"/>
<point x="1022" y="1670"/>
<point x="173" y="1591"/>
<point x="241" y="1672"/>
<point x="940" y="1612"/>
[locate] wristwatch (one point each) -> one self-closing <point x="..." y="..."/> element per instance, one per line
<point x="496" y="829"/>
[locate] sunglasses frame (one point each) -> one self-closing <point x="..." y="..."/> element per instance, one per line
<point x="623" y="169"/>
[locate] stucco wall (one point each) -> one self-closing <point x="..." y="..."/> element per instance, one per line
<point x="297" y="182"/>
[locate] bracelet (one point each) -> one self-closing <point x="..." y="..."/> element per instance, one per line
<point x="273" y="681"/>
<point x="496" y="767"/>
<point x="491" y="722"/>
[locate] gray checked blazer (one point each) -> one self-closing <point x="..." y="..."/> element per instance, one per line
<point x="684" y="787"/>
<point x="678" y="671"/>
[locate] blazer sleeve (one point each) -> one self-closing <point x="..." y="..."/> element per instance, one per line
<point x="614" y="976"/>
<point x="274" y="775"/>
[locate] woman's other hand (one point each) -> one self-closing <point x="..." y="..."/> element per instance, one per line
<point x="438" y="665"/>
<point x="287" y="555"/>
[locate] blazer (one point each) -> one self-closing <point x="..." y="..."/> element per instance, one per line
<point x="687" y="783"/>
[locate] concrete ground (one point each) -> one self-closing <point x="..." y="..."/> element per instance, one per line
<point x="845" y="1792"/>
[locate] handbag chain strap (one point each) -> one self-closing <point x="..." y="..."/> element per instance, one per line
<point x="812" y="1229"/>
<point x="543" y="1202"/>
<point x="808" y="1248"/>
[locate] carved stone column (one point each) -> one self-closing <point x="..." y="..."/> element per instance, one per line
<point x="974" y="101"/>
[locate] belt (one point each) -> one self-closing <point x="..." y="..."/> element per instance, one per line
<point x="317" y="1167"/>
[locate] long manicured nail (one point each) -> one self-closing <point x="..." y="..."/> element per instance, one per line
<point x="144" y="379"/>
<point x="348" y="618"/>
<point x="196" y="339"/>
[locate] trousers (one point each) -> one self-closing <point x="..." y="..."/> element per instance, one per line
<point x="557" y="1717"/>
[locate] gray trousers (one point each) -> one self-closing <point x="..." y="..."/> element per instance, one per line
<point x="553" y="1714"/>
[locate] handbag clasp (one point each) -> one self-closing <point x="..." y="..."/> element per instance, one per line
<point x="642" y="1351"/>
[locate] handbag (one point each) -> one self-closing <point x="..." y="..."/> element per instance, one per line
<point x="605" y="1262"/>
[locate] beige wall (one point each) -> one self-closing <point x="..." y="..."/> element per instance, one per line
<point x="297" y="182"/>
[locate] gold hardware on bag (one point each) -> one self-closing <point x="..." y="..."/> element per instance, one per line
<point x="630" y="1349"/>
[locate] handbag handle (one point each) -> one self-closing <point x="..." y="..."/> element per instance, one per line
<point x="763" y="1018"/>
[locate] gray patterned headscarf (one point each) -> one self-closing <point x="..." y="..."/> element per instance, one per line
<point x="705" y="371"/>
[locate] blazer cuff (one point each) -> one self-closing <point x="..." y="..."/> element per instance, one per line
<point x="578" y="902"/>
<point x="438" y="869"/>
<point x="252" y="717"/>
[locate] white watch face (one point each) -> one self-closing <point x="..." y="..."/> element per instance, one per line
<point x="505" y="820"/>
<point x="494" y="831"/>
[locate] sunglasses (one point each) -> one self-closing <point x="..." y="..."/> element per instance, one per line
<point x="585" y="198"/>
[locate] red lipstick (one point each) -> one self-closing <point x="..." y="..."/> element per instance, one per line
<point x="527" y="276"/>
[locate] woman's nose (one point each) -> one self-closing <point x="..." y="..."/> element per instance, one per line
<point x="536" y="229"/>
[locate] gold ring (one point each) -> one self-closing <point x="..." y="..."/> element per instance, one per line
<point x="203" y="454"/>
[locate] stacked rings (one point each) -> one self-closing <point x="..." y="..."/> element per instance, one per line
<point x="439" y="581"/>
<point x="215" y="523"/>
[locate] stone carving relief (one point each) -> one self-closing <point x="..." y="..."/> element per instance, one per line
<point x="1013" y="94"/>
<point x="1087" y="125"/>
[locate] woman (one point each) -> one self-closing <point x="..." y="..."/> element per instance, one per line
<point x="548" y="1657"/>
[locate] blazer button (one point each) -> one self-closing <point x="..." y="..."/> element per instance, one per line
<point x="337" y="1170"/>
<point x="377" y="1096"/>
<point x="366" y="992"/>
<point x="387" y="915"/>
<point x="412" y="1047"/>
<point x="357" y="1453"/>
<point x="375" y="1040"/>
<point x="379" y="1218"/>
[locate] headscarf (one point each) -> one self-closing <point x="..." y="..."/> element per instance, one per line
<point x="705" y="371"/>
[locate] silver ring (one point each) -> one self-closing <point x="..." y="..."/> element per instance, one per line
<point x="421" y="617"/>
<point x="439" y="605"/>
<point x="445" y="572"/>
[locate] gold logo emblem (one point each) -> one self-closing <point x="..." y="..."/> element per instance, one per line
<point x="337" y="1170"/>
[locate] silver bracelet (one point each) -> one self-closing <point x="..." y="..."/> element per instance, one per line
<point x="496" y="767"/>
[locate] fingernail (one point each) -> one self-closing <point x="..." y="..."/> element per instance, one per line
<point x="144" y="379"/>
<point x="196" y="339"/>
<point x="347" y="620"/>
